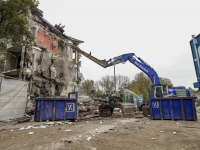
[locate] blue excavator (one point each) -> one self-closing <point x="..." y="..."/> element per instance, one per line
<point x="195" y="48"/>
<point x="115" y="98"/>
<point x="157" y="90"/>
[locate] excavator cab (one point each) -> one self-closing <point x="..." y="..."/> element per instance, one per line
<point x="159" y="91"/>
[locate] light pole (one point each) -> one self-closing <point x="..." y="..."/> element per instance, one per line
<point x="114" y="75"/>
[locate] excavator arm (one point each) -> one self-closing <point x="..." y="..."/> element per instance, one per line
<point x="102" y="63"/>
<point x="139" y="63"/>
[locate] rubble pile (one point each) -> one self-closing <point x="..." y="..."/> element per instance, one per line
<point x="117" y="112"/>
<point x="43" y="126"/>
<point x="88" y="107"/>
<point x="30" y="107"/>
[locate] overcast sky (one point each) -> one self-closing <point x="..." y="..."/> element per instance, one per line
<point x="157" y="31"/>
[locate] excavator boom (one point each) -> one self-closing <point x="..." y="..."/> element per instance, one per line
<point x="139" y="63"/>
<point x="102" y="63"/>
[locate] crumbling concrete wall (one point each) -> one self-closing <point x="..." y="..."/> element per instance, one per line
<point x="49" y="63"/>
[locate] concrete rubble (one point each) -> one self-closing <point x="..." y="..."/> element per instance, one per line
<point x="43" y="126"/>
<point x="30" y="107"/>
<point x="30" y="133"/>
<point x="88" y="107"/>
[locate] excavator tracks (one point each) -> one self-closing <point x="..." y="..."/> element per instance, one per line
<point x="105" y="110"/>
<point x="128" y="109"/>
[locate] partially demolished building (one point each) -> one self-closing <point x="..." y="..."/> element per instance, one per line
<point x="50" y="63"/>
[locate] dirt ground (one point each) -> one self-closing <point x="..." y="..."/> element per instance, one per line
<point x="112" y="133"/>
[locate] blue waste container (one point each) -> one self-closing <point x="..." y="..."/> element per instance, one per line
<point x="173" y="108"/>
<point x="56" y="108"/>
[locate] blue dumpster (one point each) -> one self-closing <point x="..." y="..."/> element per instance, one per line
<point x="56" y="108"/>
<point x="173" y="108"/>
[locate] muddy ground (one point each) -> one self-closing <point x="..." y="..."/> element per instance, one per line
<point x="112" y="133"/>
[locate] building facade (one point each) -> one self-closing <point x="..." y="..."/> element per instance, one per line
<point x="49" y="62"/>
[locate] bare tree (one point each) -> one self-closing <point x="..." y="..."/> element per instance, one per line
<point x="122" y="81"/>
<point x="101" y="84"/>
<point x="108" y="82"/>
<point x="125" y="81"/>
<point x="119" y="81"/>
<point x="87" y="86"/>
<point x="97" y="85"/>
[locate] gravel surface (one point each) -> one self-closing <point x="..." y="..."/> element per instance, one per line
<point x="110" y="133"/>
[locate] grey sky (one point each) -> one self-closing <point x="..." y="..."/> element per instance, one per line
<point x="157" y="31"/>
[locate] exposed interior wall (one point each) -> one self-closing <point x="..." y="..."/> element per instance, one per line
<point x="13" y="62"/>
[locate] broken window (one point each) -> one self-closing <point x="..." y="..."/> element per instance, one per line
<point x="74" y="55"/>
<point x="12" y="64"/>
<point x="60" y="49"/>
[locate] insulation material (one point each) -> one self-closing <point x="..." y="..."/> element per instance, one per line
<point x="46" y="63"/>
<point x="37" y="60"/>
<point x="13" y="98"/>
<point x="59" y="64"/>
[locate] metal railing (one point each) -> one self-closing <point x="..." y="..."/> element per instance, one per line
<point x="13" y="98"/>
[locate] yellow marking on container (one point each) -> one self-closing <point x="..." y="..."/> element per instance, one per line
<point x="157" y="104"/>
<point x="73" y="107"/>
